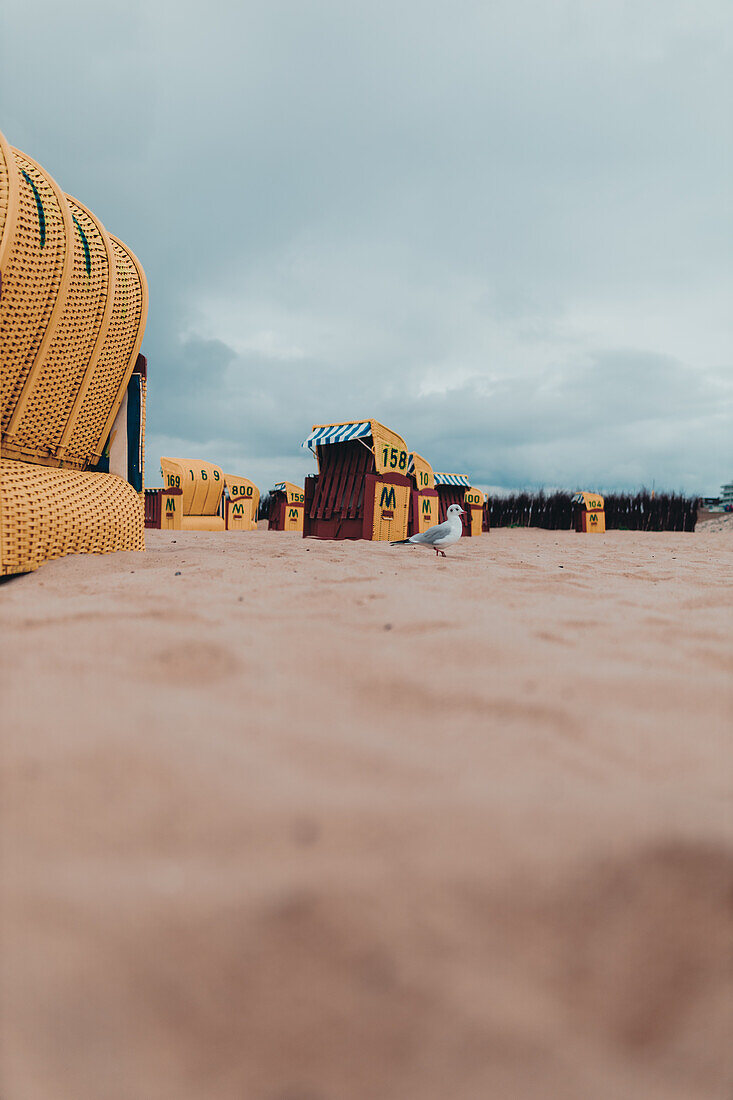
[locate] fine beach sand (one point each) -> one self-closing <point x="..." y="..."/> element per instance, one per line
<point x="295" y="820"/>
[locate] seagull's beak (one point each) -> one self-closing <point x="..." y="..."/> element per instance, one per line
<point x="463" y="511"/>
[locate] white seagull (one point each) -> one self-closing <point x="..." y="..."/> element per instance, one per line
<point x="443" y="534"/>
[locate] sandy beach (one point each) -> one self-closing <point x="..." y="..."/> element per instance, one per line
<point x="297" y="820"/>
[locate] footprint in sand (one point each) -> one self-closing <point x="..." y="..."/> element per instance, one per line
<point x="192" y="662"/>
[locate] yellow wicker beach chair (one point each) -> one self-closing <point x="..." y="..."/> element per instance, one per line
<point x="73" y="305"/>
<point x="242" y="501"/>
<point x="202" y="485"/>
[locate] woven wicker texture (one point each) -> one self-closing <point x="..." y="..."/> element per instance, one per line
<point x="72" y="315"/>
<point x="110" y="375"/>
<point x="5" y="167"/>
<point x="38" y="425"/>
<point x="391" y="511"/>
<point x="48" y="513"/>
<point x="33" y="265"/>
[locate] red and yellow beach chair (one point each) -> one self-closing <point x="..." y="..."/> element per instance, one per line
<point x="457" y="489"/>
<point x="362" y="489"/>
<point x="589" y="512"/>
<point x="424" y="496"/>
<point x="286" y="507"/>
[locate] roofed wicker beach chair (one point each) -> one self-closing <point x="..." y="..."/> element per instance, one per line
<point x="241" y="504"/>
<point x="73" y="305"/>
<point x="424" y="495"/>
<point x="362" y="490"/>
<point x="589" y="512"/>
<point x="286" y="507"/>
<point x="190" y="499"/>
<point x="457" y="489"/>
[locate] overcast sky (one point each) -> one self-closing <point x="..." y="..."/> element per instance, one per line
<point x="501" y="228"/>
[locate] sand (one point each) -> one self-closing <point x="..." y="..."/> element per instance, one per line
<point x="297" y="820"/>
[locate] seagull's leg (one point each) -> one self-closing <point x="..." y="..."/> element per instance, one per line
<point x="442" y="553"/>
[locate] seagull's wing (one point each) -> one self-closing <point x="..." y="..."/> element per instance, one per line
<point x="433" y="534"/>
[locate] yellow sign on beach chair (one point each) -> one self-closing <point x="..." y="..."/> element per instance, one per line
<point x="424" y="502"/>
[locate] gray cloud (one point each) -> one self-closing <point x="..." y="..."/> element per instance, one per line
<point x="502" y="229"/>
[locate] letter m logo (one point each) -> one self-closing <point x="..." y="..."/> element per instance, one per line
<point x="426" y="507"/>
<point x="388" y="498"/>
<point x="238" y="509"/>
<point x="170" y="504"/>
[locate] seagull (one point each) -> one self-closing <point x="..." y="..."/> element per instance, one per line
<point x="443" y="534"/>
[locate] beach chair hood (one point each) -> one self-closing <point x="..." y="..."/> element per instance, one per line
<point x="391" y="455"/>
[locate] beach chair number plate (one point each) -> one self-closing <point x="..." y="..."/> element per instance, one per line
<point x="394" y="459"/>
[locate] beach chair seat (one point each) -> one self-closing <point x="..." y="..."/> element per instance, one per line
<point x="362" y="490"/>
<point x="286" y="507"/>
<point x="73" y="305"/>
<point x="47" y="513"/>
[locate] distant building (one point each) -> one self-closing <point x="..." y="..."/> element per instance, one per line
<point x="726" y="494"/>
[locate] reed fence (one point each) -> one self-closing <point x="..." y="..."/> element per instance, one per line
<point x="624" y="512"/>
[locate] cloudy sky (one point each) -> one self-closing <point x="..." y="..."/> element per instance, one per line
<point x="503" y="228"/>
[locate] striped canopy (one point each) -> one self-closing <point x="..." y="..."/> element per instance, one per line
<point x="453" y="479"/>
<point x="337" y="433"/>
<point x="592" y="501"/>
<point x="279" y="488"/>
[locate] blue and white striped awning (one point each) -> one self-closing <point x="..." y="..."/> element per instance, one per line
<point x="411" y="464"/>
<point x="337" y="433"/>
<point x="453" y="479"/>
<point x="279" y="488"/>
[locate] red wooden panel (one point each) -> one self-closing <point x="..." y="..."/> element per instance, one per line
<point x="355" y="501"/>
<point x="152" y="507"/>
<point x="276" y="520"/>
<point x="345" y="460"/>
<point x="339" y="489"/>
<point x="327" y="482"/>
